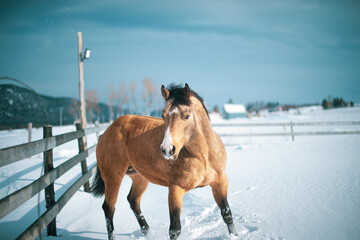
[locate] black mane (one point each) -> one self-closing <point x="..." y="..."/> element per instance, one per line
<point x="177" y="93"/>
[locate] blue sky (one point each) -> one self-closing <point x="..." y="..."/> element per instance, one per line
<point x="289" y="51"/>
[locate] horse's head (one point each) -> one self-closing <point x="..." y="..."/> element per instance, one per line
<point x="180" y="121"/>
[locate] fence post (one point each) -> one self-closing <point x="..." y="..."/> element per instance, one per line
<point x="82" y="148"/>
<point x="284" y="126"/>
<point x="49" y="191"/>
<point x="97" y="132"/>
<point x="29" y="131"/>
<point x="292" y="130"/>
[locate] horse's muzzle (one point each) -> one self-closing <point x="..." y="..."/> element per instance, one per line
<point x="168" y="152"/>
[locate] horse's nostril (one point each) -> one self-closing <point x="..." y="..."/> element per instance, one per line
<point x="172" y="150"/>
<point x="163" y="150"/>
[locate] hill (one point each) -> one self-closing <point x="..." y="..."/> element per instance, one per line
<point x="19" y="106"/>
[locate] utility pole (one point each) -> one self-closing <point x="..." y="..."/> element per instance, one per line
<point x="82" y="141"/>
<point x="81" y="83"/>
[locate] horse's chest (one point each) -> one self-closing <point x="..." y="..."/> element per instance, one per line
<point x="153" y="171"/>
<point x="190" y="178"/>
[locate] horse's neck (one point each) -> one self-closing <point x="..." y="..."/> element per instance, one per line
<point x="200" y="145"/>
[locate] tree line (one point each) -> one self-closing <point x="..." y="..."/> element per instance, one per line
<point x="336" y="102"/>
<point x="122" y="99"/>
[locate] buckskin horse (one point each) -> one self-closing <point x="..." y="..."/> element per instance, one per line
<point x="180" y="151"/>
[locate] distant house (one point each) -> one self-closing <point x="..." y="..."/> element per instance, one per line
<point x="234" y="111"/>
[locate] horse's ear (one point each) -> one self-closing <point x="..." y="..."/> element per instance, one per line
<point x="187" y="91"/>
<point x="165" y="93"/>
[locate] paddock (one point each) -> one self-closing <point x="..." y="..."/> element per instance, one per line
<point x="306" y="189"/>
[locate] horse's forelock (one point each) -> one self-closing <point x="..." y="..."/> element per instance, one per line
<point x="178" y="94"/>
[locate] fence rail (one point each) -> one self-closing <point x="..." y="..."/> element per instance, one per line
<point x="13" y="154"/>
<point x="26" y="150"/>
<point x="36" y="228"/>
<point x="292" y="132"/>
<point x="325" y="123"/>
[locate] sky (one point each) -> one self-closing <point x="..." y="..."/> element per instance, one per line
<point x="287" y="51"/>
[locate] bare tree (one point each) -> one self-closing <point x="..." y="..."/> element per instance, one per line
<point x="133" y="103"/>
<point x="149" y="95"/>
<point x="112" y="99"/>
<point x="97" y="109"/>
<point x="92" y="103"/>
<point x="73" y="108"/>
<point x="121" y="98"/>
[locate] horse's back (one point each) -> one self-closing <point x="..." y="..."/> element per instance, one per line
<point x="128" y="125"/>
<point x="111" y="148"/>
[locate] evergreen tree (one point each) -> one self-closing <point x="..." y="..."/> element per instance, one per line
<point x="325" y="104"/>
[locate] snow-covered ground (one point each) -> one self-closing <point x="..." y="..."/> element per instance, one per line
<point x="278" y="189"/>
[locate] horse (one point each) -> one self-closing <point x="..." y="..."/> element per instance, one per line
<point x="179" y="151"/>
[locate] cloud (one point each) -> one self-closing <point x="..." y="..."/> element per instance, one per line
<point x="204" y="41"/>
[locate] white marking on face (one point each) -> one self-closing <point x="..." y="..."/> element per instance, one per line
<point x="175" y="110"/>
<point x="167" y="144"/>
<point x="167" y="138"/>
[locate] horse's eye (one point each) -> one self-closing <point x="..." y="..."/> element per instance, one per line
<point x="186" y="117"/>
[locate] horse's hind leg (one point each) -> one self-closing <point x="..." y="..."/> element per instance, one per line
<point x="137" y="190"/>
<point x="111" y="193"/>
<point x="219" y="190"/>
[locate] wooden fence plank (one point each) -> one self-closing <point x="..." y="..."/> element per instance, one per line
<point x="26" y="150"/>
<point x="17" y="198"/>
<point x="287" y="134"/>
<point x="327" y="123"/>
<point x="250" y="124"/>
<point x="36" y="228"/>
<point x="328" y="133"/>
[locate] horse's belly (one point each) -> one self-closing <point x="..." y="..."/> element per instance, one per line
<point x="193" y="179"/>
<point x="151" y="176"/>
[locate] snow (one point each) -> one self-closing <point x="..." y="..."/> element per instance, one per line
<point x="278" y="189"/>
<point x="234" y="108"/>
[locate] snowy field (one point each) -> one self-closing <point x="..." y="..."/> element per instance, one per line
<point x="278" y="189"/>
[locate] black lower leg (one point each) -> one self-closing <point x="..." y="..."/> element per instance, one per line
<point x="138" y="214"/>
<point x="142" y="222"/>
<point x="109" y="221"/>
<point x="227" y="216"/>
<point x="175" y="225"/>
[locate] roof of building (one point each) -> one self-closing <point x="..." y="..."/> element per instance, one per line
<point x="234" y="108"/>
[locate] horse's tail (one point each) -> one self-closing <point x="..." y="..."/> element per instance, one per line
<point x="98" y="185"/>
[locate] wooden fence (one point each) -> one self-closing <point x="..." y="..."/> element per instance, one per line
<point x="48" y="218"/>
<point x="292" y="131"/>
<point x="16" y="153"/>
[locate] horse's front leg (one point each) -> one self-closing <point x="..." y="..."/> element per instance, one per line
<point x="176" y="195"/>
<point x="219" y="190"/>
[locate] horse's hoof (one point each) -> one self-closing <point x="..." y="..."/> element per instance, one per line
<point x="111" y="236"/>
<point x="174" y="234"/>
<point x="232" y="230"/>
<point x="145" y="230"/>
